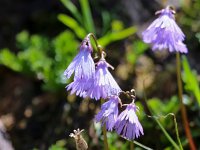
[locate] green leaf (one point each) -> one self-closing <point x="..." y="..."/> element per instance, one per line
<point x="114" y="36"/>
<point x="56" y="147"/>
<point x="89" y="23"/>
<point x="72" y="8"/>
<point x="22" y="39"/>
<point x="171" y="105"/>
<point x="117" y="25"/>
<point x="106" y="22"/>
<point x="73" y="25"/>
<point x="65" y="46"/>
<point x="36" y="60"/>
<point x="190" y="79"/>
<point x="138" y="48"/>
<point x="167" y="135"/>
<point x="10" y="60"/>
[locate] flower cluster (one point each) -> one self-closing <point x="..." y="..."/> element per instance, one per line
<point x="90" y="81"/>
<point x="93" y="79"/>
<point x="126" y="123"/>
<point x="164" y="33"/>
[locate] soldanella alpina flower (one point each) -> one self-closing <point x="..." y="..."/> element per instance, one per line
<point x="164" y="33"/>
<point x="104" y="84"/>
<point x="83" y="68"/>
<point x="82" y="65"/>
<point x="127" y="124"/>
<point x="80" y="86"/>
<point x="109" y="112"/>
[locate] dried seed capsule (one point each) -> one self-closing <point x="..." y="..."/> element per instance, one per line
<point x="80" y="142"/>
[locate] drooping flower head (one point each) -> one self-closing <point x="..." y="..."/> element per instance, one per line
<point x="109" y="112"/>
<point x="164" y="33"/>
<point x="83" y="68"/>
<point x="82" y="65"/>
<point x="80" y="86"/>
<point x="104" y="84"/>
<point x="127" y="124"/>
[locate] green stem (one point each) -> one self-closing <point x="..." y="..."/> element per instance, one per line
<point x="105" y="140"/>
<point x="141" y="145"/>
<point x="177" y="134"/>
<point x="131" y="146"/>
<point x="167" y="135"/>
<point x="99" y="48"/>
<point x="176" y="129"/>
<point x="182" y="106"/>
<point x="157" y="121"/>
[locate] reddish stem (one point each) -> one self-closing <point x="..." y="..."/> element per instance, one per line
<point x="183" y="109"/>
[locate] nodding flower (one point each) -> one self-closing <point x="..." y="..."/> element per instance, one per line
<point x="83" y="68"/>
<point x="109" y="112"/>
<point x="164" y="33"/>
<point x="104" y="84"/>
<point x="127" y="124"/>
<point x="82" y="65"/>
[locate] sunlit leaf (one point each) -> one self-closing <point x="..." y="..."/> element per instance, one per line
<point x="165" y="107"/>
<point x="117" y="25"/>
<point x="72" y="8"/>
<point x="10" y="60"/>
<point x="87" y="16"/>
<point x="190" y="79"/>
<point x="114" y="36"/>
<point x="138" y="48"/>
<point x="73" y="25"/>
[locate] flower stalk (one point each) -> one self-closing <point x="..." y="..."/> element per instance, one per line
<point x="105" y="139"/>
<point x="183" y="109"/>
<point x="131" y="146"/>
<point x="99" y="48"/>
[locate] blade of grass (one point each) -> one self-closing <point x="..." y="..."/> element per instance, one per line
<point x="73" y="25"/>
<point x="72" y="8"/>
<point x="89" y="24"/>
<point x="106" y="22"/>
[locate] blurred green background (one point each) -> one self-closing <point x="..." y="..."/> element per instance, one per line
<point x="38" y="40"/>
